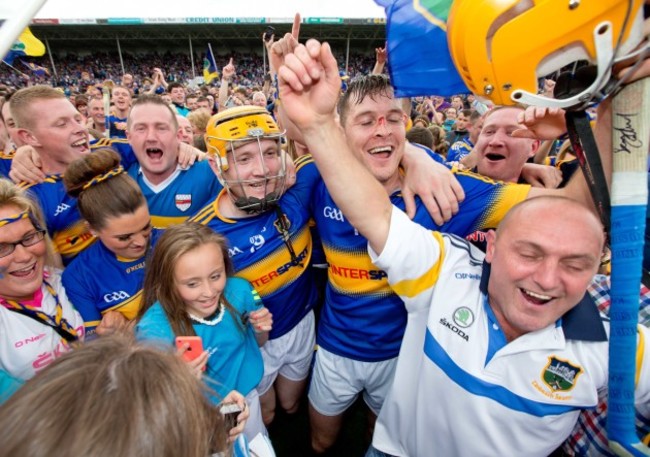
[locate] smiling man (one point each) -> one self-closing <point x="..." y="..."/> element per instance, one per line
<point x="502" y="156"/>
<point x="121" y="100"/>
<point x="50" y="124"/>
<point x="363" y="320"/>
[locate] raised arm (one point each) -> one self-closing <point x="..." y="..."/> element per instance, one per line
<point x="309" y="88"/>
<point x="227" y="74"/>
<point x="381" y="55"/>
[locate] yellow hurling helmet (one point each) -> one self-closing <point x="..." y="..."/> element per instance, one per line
<point x="235" y="127"/>
<point x="502" y="47"/>
<point x="239" y="124"/>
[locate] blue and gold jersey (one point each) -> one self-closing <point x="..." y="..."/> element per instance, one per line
<point x="278" y="270"/>
<point x="98" y="281"/>
<point x="362" y="318"/>
<point x="181" y="195"/>
<point x="121" y="146"/>
<point x="117" y="126"/>
<point x="459" y="149"/>
<point x="64" y="224"/>
<point x="5" y="162"/>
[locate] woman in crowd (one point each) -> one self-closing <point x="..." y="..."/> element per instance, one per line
<point x="188" y="291"/>
<point x="104" y="282"/>
<point x="37" y="321"/>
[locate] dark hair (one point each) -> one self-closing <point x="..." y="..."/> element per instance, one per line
<point x="159" y="284"/>
<point x="174" y="85"/>
<point x="80" y="100"/>
<point x="420" y="135"/>
<point x="360" y="88"/>
<point x="112" y="197"/>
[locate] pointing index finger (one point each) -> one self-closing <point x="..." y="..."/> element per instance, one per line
<point x="295" y="29"/>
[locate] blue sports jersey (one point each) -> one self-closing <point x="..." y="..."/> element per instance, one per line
<point x="5" y="162"/>
<point x="459" y="149"/>
<point x="98" y="281"/>
<point x="117" y="126"/>
<point x="181" y="195"/>
<point x="235" y="361"/>
<point x="120" y="146"/>
<point x="64" y="224"/>
<point x="362" y="318"/>
<point x="260" y="255"/>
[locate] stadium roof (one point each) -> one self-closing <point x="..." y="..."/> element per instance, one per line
<point x="206" y="11"/>
<point x="232" y="23"/>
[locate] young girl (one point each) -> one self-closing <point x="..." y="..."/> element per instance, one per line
<point x="188" y="291"/>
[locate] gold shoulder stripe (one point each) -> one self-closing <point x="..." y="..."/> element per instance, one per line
<point x="412" y="287"/>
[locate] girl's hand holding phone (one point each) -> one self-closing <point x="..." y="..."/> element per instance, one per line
<point x="261" y="320"/>
<point x="190" y="349"/>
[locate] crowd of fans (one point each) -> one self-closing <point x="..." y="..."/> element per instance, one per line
<point x="76" y="72"/>
<point x="200" y="222"/>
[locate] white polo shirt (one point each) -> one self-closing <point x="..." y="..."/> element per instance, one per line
<point x="459" y="389"/>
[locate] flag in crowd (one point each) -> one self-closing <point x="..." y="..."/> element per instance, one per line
<point x="36" y="69"/>
<point x="418" y="54"/>
<point x="26" y="45"/>
<point x="210" y="70"/>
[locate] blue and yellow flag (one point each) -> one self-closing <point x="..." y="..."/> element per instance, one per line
<point x="418" y="55"/>
<point x="210" y="70"/>
<point x="36" y="69"/>
<point x="26" y="45"/>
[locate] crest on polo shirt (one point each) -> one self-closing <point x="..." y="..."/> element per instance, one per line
<point x="561" y="375"/>
<point x="183" y="201"/>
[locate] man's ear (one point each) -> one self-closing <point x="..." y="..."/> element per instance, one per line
<point x="28" y="137"/>
<point x="213" y="163"/>
<point x="535" y="144"/>
<point x="491" y="238"/>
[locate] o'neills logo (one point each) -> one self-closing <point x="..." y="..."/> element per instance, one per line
<point x="560" y="375"/>
<point x="454" y="329"/>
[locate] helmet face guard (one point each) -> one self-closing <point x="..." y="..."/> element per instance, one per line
<point x="501" y="48"/>
<point x="234" y="128"/>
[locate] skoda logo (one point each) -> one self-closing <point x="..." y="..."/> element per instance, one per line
<point x="463" y="317"/>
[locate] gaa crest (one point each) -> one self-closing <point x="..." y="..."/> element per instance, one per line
<point x="560" y="375"/>
<point x="282" y="224"/>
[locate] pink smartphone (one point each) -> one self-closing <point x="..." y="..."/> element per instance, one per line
<point x="195" y="348"/>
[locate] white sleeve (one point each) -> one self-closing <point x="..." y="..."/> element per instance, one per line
<point x="411" y="258"/>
